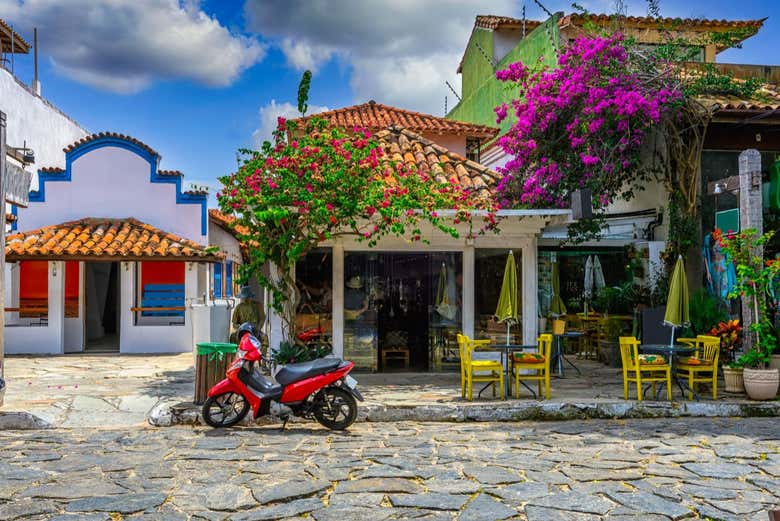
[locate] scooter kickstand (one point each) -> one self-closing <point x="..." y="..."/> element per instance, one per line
<point x="284" y="423"/>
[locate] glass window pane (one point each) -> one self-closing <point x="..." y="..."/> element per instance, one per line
<point x="217" y="282"/>
<point x="314" y="276"/>
<point x="489" y="266"/>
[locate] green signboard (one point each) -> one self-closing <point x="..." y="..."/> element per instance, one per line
<point x="727" y="220"/>
<point x="774" y="187"/>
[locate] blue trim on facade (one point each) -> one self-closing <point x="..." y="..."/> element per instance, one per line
<point x="15" y="213"/>
<point x="39" y="196"/>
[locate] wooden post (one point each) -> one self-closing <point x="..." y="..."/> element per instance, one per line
<point x="750" y="216"/>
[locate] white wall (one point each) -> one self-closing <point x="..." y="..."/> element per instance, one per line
<point x="114" y="182"/>
<point x="154" y="339"/>
<point x="453" y="142"/>
<point x="33" y="119"/>
<point x="50" y="339"/>
<point x="225" y="241"/>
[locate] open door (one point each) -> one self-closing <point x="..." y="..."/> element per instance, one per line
<point x="101" y="324"/>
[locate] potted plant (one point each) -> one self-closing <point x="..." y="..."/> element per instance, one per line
<point x="729" y="332"/>
<point x="754" y="277"/>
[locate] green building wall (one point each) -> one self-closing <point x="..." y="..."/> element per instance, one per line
<point x="481" y="91"/>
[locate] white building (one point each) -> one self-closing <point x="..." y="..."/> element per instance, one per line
<point x="111" y="254"/>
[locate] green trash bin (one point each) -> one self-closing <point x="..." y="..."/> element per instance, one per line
<point x="211" y="364"/>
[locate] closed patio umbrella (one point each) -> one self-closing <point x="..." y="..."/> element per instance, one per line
<point x="507" y="309"/>
<point x="677" y="312"/>
<point x="598" y="274"/>
<point x="587" y="285"/>
<point x="557" y="307"/>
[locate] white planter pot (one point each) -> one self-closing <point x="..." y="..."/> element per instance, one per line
<point x="761" y="384"/>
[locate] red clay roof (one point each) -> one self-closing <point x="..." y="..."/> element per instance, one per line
<point x="103" y="239"/>
<point x="376" y="116"/>
<point x="170" y="173"/>
<point x="20" y="44"/>
<point x="442" y="164"/>
<point x="493" y="22"/>
<point x="99" y="135"/>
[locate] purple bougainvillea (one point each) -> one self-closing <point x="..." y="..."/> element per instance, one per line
<point x="580" y="124"/>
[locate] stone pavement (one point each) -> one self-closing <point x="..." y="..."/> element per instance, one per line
<point x="121" y="390"/>
<point x="101" y="390"/>
<point x="726" y="469"/>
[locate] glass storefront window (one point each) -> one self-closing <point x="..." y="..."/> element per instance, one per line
<point x="489" y="267"/>
<point x="314" y="275"/>
<point x="402" y="311"/>
<point x="571" y="272"/>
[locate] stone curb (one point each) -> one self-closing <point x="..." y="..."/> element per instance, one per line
<point x="169" y="413"/>
<point x="22" y="421"/>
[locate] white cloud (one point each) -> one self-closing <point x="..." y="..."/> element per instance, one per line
<point x="269" y="113"/>
<point x="125" y="45"/>
<point x="400" y="52"/>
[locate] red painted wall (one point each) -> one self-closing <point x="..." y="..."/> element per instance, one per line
<point x="34" y="280"/>
<point x="72" y="280"/>
<point x="162" y="272"/>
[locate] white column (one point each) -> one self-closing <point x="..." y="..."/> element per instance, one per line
<point x="190" y="296"/>
<point x="126" y="301"/>
<point x="56" y="314"/>
<point x="338" y="299"/>
<point x="530" y="283"/>
<point x="468" y="289"/>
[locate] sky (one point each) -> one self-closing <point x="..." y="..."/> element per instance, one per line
<point x="198" y="79"/>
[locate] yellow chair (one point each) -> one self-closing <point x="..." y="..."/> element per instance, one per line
<point x="477" y="370"/>
<point x="703" y="367"/>
<point x="687" y="341"/>
<point x="646" y="368"/>
<point x="538" y="362"/>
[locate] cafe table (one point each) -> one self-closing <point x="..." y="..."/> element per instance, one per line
<point x="506" y="350"/>
<point x="672" y="353"/>
<point x="558" y="356"/>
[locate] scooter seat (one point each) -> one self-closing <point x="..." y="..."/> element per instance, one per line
<point x="295" y="372"/>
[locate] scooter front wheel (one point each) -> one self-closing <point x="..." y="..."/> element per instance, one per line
<point x="225" y="410"/>
<point x="337" y="409"/>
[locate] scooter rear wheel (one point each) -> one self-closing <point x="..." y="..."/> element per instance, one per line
<point x="337" y="409"/>
<point x="224" y="410"/>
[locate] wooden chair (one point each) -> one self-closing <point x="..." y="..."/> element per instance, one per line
<point x="646" y="369"/>
<point x="703" y="366"/>
<point x="538" y="362"/>
<point x="400" y="353"/>
<point x="477" y="370"/>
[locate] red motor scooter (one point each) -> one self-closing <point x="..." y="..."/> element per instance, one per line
<point x="320" y="390"/>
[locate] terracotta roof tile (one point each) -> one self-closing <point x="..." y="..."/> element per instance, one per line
<point x="376" y="116"/>
<point x="444" y="165"/>
<point x="99" y="135"/>
<point x="492" y="22"/>
<point x="52" y="170"/>
<point x="170" y="173"/>
<point x="226" y="222"/>
<point x="20" y="44"/>
<point x="104" y="239"/>
<point x="766" y="99"/>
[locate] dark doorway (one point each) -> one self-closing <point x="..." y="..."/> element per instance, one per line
<point x="101" y="326"/>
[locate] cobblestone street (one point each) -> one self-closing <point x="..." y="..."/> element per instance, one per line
<point x="654" y="469"/>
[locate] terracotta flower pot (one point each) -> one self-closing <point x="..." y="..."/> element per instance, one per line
<point x="761" y="384"/>
<point x="734" y="380"/>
